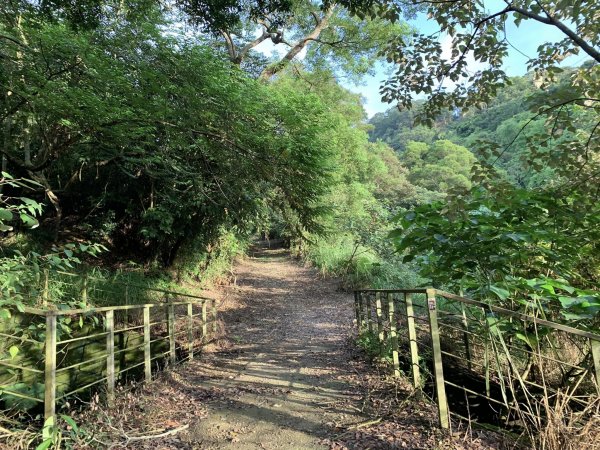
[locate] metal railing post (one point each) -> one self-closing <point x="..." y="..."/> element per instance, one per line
<point x="361" y="311"/>
<point x="465" y="325"/>
<point x="595" y="345"/>
<point x="380" y="334"/>
<point x="438" y="370"/>
<point x="214" y="317"/>
<point x="369" y="314"/>
<point x="147" y="355"/>
<point x="46" y="290"/>
<point x="190" y="314"/>
<point x="84" y="290"/>
<point x="393" y="334"/>
<point x="110" y="355"/>
<point x="171" y="330"/>
<point x="412" y="339"/>
<point x="204" y="320"/>
<point x="50" y="372"/>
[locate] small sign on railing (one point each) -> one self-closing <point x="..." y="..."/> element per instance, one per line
<point x="431" y="304"/>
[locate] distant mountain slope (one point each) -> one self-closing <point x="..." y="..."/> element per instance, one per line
<point x="501" y="124"/>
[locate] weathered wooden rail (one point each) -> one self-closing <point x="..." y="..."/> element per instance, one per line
<point x="104" y="346"/>
<point x="481" y="352"/>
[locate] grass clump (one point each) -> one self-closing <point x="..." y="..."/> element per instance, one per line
<point x="359" y="265"/>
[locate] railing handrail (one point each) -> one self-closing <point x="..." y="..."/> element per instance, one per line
<point x="498" y="309"/>
<point x="378" y="307"/>
<point x="71" y="312"/>
<point x="391" y="291"/>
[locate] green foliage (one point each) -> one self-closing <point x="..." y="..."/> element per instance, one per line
<point x="21" y="272"/>
<point x="440" y="167"/>
<point x="369" y="342"/>
<point x="17" y="209"/>
<point x="210" y="264"/>
<point x="513" y="136"/>
<point x="477" y="32"/>
<point x="397" y="127"/>
<point x="522" y="249"/>
<point x="563" y="121"/>
<point x="65" y="433"/>
<point x="152" y="139"/>
<point x="368" y="184"/>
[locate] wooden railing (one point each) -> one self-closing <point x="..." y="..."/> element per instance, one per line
<point x="449" y="344"/>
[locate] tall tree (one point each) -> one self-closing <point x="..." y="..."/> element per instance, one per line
<point x="329" y="33"/>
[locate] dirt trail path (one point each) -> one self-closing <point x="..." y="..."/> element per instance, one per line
<point x="283" y="384"/>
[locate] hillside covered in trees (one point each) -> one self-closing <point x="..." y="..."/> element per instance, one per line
<point x="506" y="122"/>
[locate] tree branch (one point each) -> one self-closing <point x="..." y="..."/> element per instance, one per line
<point x="230" y="45"/>
<point x="550" y="20"/>
<point x="271" y="70"/>
<point x="250" y="45"/>
<point x="13" y="40"/>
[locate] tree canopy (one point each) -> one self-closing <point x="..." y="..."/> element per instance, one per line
<point x="324" y="36"/>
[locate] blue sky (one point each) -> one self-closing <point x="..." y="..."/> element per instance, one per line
<point x="526" y="38"/>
